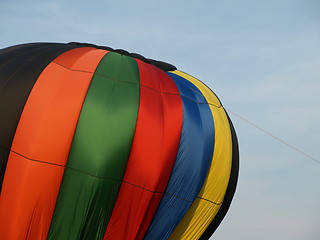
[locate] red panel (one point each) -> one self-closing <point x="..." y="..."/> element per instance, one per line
<point x="41" y="144"/>
<point x="152" y="156"/>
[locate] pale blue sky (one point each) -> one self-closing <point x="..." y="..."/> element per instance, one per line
<point x="262" y="58"/>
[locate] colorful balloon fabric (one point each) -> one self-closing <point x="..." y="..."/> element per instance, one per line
<point x="97" y="143"/>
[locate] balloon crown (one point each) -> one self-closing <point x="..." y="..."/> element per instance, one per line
<point x="160" y="64"/>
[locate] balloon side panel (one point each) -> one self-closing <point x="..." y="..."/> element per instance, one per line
<point x="230" y="189"/>
<point x="152" y="155"/>
<point x="210" y="198"/>
<point x="40" y="147"/>
<point x="99" y="151"/>
<point x="20" y="67"/>
<point x="192" y="163"/>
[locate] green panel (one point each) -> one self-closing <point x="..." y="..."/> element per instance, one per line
<point x="99" y="151"/>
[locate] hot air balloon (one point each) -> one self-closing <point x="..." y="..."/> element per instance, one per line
<point x="97" y="143"/>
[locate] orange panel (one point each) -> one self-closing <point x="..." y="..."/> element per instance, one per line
<point x="41" y="144"/>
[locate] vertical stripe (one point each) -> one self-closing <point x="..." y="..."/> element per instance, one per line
<point x="20" y="66"/>
<point x="192" y="164"/>
<point x="41" y="145"/>
<point x="99" y="151"/>
<point x="209" y="200"/>
<point x="152" y="156"/>
<point x="230" y="189"/>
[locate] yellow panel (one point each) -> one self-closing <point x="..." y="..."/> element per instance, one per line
<point x="210" y="198"/>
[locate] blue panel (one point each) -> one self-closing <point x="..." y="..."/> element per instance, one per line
<point x="192" y="163"/>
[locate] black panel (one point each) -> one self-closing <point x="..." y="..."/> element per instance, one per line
<point x="6" y="53"/>
<point x="230" y="189"/>
<point x="20" y="67"/>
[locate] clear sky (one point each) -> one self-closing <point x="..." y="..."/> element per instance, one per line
<point x="262" y="58"/>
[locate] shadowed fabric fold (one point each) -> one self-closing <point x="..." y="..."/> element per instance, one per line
<point x="192" y="163"/>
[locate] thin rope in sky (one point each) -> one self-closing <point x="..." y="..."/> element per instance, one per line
<point x="275" y="137"/>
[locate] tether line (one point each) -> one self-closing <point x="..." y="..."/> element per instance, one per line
<point x="275" y="137"/>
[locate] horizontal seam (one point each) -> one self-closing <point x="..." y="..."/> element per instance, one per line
<point x="102" y="178"/>
<point x="104" y="76"/>
<point x="74" y="70"/>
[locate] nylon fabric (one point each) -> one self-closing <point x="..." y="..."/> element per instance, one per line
<point x="152" y="156"/>
<point x="211" y="196"/>
<point x="19" y="66"/>
<point x="192" y="163"/>
<point x="12" y="52"/>
<point x="98" y="143"/>
<point x="41" y="145"/>
<point x="230" y="189"/>
<point x="99" y="151"/>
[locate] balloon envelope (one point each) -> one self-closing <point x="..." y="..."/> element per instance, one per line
<point x="97" y="143"/>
